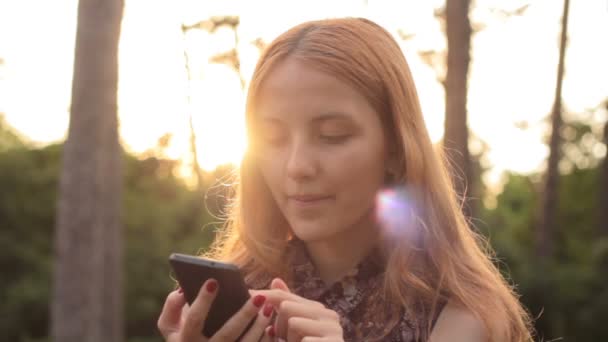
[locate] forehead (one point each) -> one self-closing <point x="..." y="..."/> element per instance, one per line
<point x="296" y="91"/>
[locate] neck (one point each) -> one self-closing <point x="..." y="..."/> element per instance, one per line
<point x="337" y="255"/>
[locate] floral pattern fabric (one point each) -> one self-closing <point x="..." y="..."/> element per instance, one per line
<point x="357" y="298"/>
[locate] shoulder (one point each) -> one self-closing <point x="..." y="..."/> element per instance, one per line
<point x="457" y="324"/>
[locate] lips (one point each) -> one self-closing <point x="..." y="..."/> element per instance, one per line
<point x="308" y="198"/>
<point x="308" y="201"/>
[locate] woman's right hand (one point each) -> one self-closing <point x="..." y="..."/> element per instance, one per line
<point x="179" y="322"/>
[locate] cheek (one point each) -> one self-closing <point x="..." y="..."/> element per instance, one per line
<point x="270" y="168"/>
<point x="358" y="173"/>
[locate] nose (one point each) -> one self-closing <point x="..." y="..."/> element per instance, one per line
<point x="301" y="161"/>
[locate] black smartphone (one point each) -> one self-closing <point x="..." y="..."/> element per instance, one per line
<point x="191" y="273"/>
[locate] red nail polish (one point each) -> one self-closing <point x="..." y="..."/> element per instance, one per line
<point x="259" y="300"/>
<point x="180" y="290"/>
<point x="271" y="332"/>
<point x="211" y="286"/>
<point x="268" y="310"/>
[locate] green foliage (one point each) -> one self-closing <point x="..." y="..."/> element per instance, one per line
<point x="8" y="138"/>
<point x="28" y="179"/>
<point x="160" y="214"/>
<point x="569" y="293"/>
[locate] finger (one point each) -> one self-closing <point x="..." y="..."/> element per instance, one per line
<point x="276" y="284"/>
<point x="293" y="335"/>
<point x="286" y="310"/>
<point x="299" y="327"/>
<point x="268" y="334"/>
<point x="169" y="319"/>
<point x="196" y="316"/>
<point x="279" y="284"/>
<point x="307" y="310"/>
<point x="262" y="322"/>
<point x="234" y="327"/>
<point x="275" y="297"/>
<point x="316" y="339"/>
<point x="289" y="309"/>
<point x="185" y="310"/>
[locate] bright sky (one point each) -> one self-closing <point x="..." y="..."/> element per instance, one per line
<point x="512" y="77"/>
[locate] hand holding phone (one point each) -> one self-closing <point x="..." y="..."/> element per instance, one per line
<point x="219" y="300"/>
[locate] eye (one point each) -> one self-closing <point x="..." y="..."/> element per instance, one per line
<point x="335" y="139"/>
<point x="335" y="131"/>
<point x="274" y="136"/>
<point x="271" y="134"/>
<point x="274" y="139"/>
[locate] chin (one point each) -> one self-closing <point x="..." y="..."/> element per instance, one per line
<point x="312" y="231"/>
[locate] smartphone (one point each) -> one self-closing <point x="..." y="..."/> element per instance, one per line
<point x="191" y="273"/>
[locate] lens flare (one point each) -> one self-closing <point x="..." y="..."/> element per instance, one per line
<point x="396" y="212"/>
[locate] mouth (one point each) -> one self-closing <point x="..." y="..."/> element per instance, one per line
<point x="308" y="199"/>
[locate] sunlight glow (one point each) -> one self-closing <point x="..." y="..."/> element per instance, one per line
<point x="397" y="210"/>
<point x="511" y="85"/>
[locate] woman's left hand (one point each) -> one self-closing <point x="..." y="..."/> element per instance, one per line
<point x="300" y="319"/>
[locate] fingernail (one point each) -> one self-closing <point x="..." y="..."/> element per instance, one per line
<point x="271" y="332"/>
<point x="282" y="340"/>
<point x="259" y="300"/>
<point x="180" y="290"/>
<point x="268" y="310"/>
<point x="211" y="286"/>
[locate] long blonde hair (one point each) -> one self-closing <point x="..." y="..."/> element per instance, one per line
<point x="452" y="261"/>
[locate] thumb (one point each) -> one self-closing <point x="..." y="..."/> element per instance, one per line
<point x="278" y="283"/>
<point x="171" y="315"/>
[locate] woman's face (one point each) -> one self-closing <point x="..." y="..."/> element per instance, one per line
<point x="320" y="147"/>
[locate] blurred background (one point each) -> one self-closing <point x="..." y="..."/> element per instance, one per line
<point x="121" y="125"/>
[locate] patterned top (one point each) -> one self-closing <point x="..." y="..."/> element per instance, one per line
<point x="357" y="298"/>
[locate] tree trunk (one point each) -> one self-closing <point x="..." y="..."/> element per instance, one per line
<point x="544" y="238"/>
<point x="603" y="200"/>
<point x="86" y="300"/>
<point x="456" y="136"/>
<point x="196" y="168"/>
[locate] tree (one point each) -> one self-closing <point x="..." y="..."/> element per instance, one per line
<point x="451" y="67"/>
<point x="196" y="168"/>
<point x="549" y="200"/>
<point x="453" y="75"/>
<point x="87" y="282"/>
<point x="230" y="58"/>
<point x="603" y="200"/>
<point x="456" y="134"/>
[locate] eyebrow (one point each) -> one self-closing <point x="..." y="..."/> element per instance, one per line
<point x="325" y="116"/>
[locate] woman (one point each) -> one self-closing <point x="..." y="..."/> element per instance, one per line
<point x="333" y="118"/>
